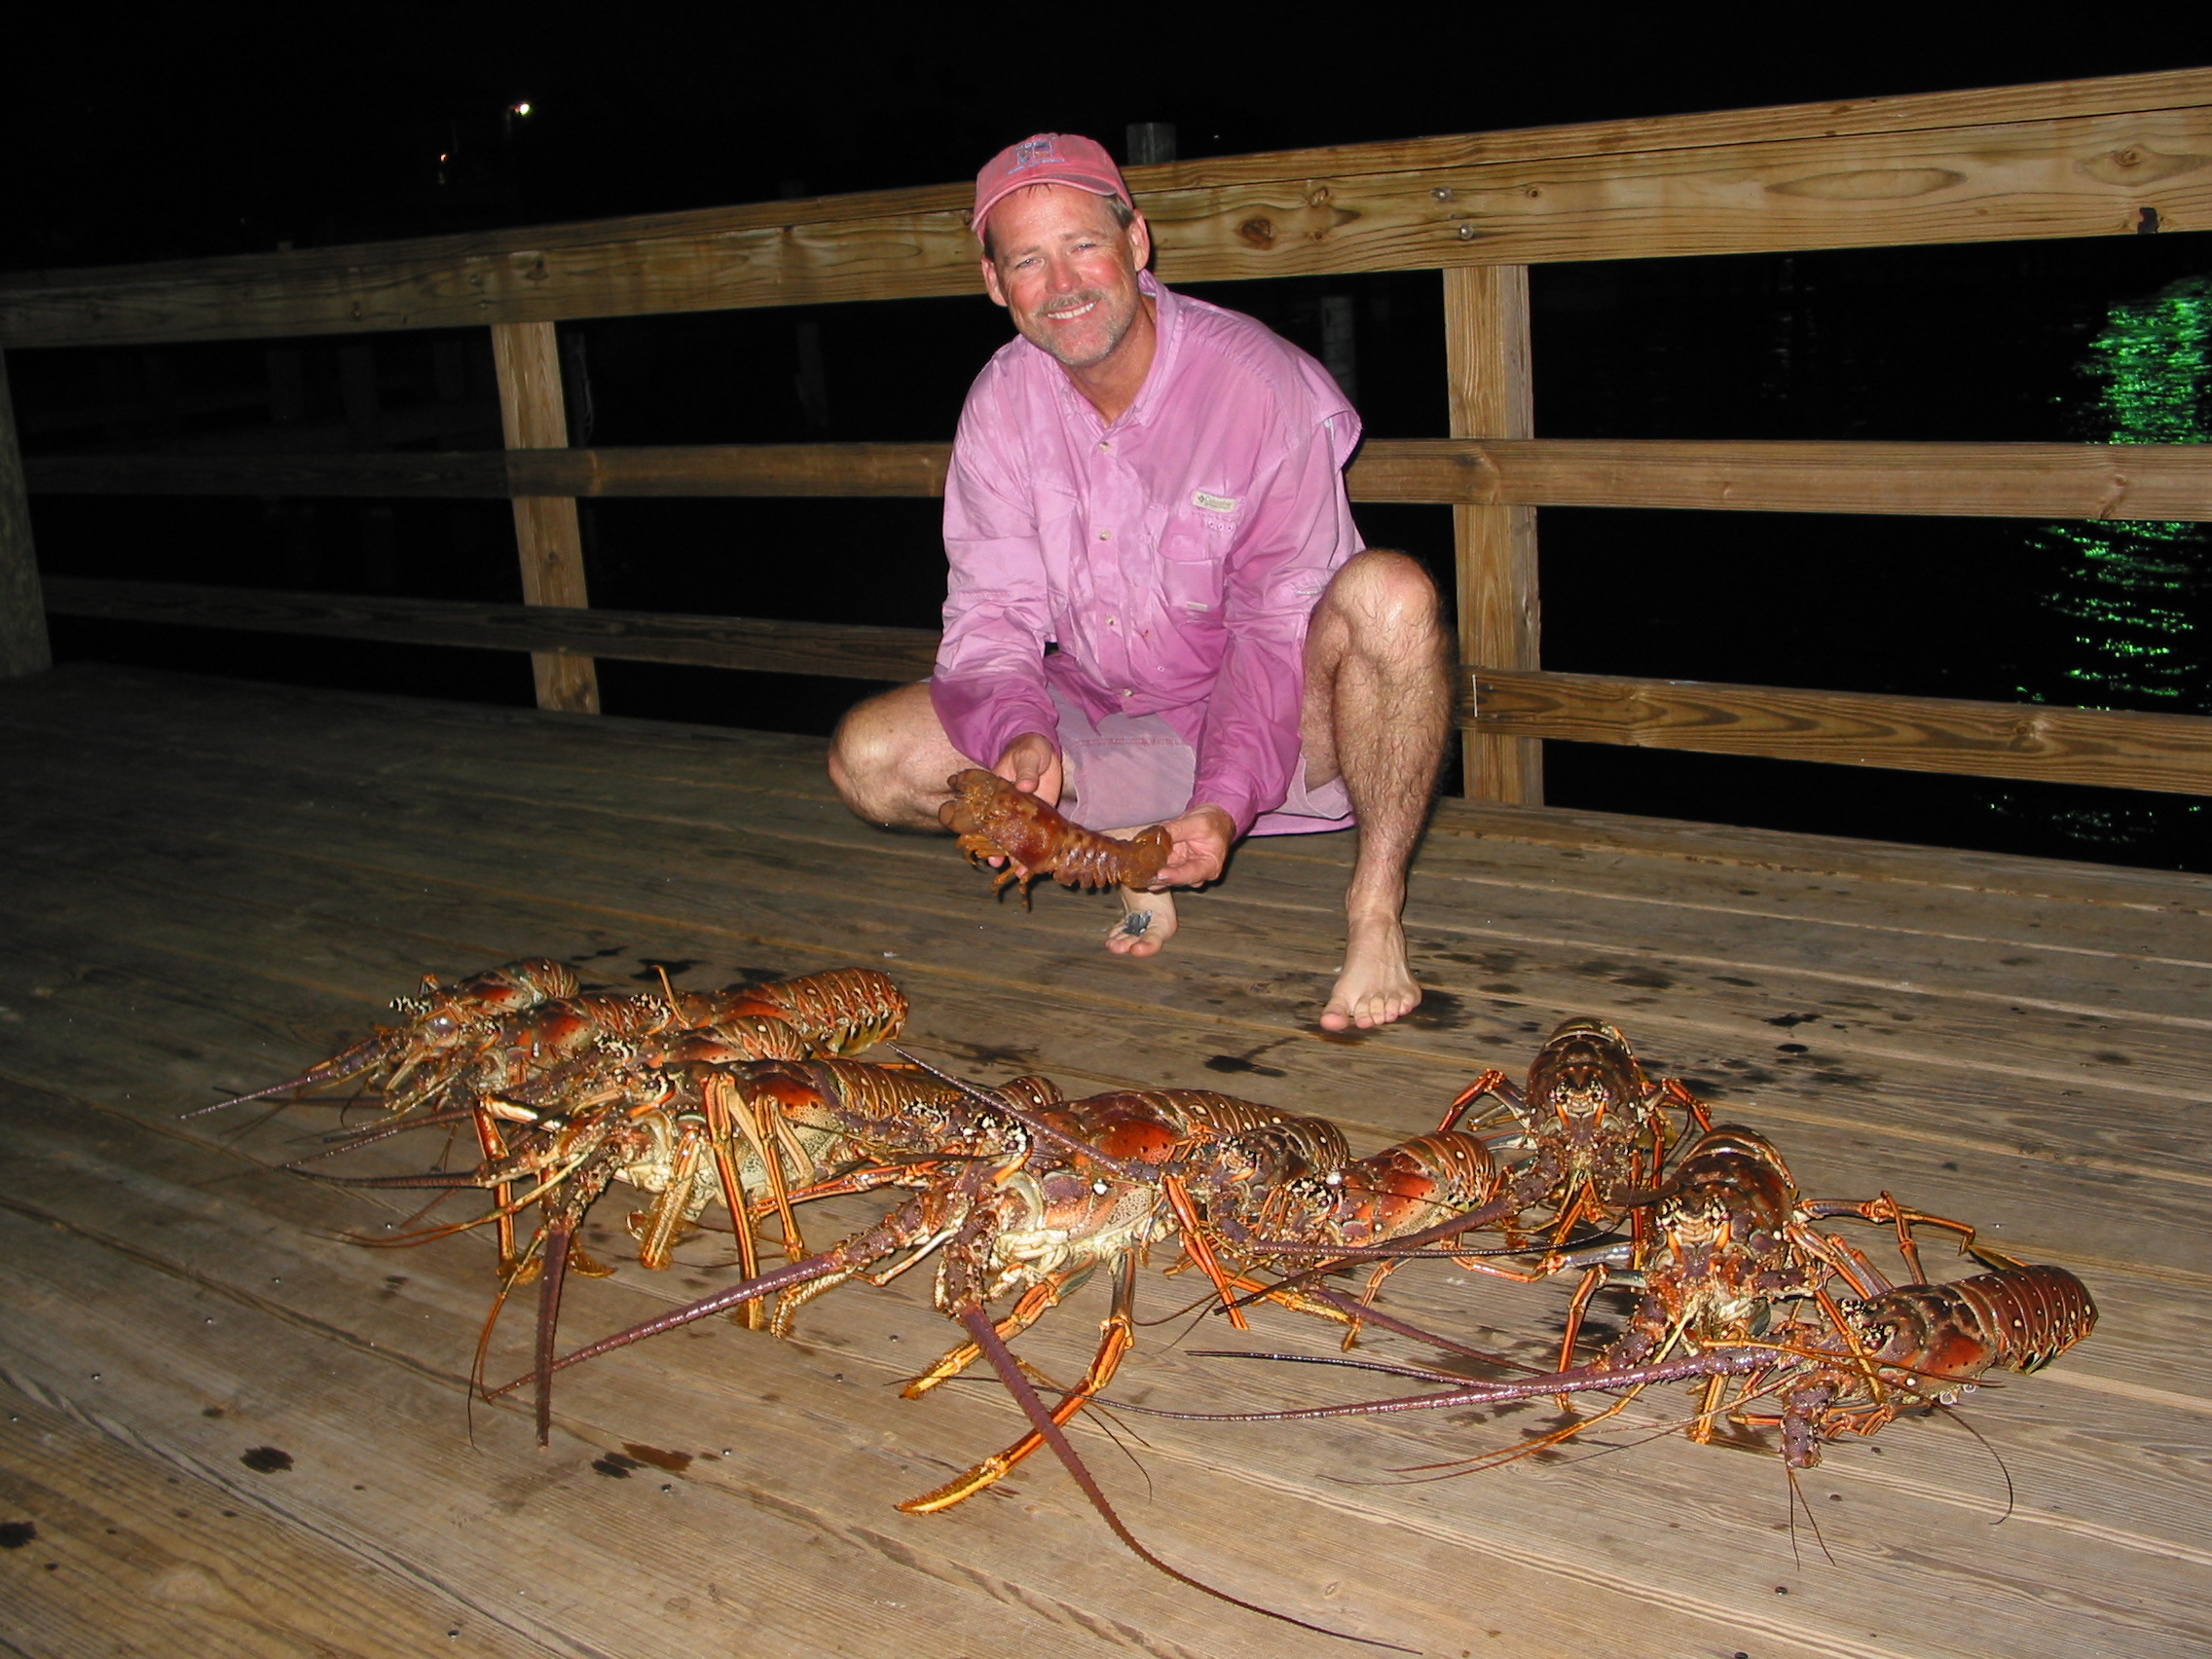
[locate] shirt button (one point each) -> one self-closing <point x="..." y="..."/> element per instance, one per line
<point x="1105" y="449"/>
<point x="1127" y="691"/>
<point x="1105" y="535"/>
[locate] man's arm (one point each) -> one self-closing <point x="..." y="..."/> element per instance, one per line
<point x="989" y="689"/>
<point x="1300" y="531"/>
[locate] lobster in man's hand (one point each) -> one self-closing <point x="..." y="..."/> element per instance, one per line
<point x="994" y="819"/>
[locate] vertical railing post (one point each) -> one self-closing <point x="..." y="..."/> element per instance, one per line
<point x="24" y="645"/>
<point x="546" y="532"/>
<point x="1485" y="349"/>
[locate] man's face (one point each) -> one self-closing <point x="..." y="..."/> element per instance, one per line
<point x="1066" y="271"/>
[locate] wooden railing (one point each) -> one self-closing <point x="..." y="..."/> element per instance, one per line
<point x="2117" y="157"/>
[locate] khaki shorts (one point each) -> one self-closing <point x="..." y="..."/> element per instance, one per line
<point x="1126" y="771"/>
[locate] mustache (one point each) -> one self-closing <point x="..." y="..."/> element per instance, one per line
<point x="1073" y="303"/>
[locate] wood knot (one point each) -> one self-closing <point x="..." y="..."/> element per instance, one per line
<point x="1260" y="233"/>
<point x="1320" y="197"/>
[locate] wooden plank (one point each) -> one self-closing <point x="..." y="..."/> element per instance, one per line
<point x="845" y="650"/>
<point x="99" y="942"/>
<point x="766" y="469"/>
<point x="1905" y="1041"/>
<point x="149" y="1557"/>
<point x="346" y="1367"/>
<point x="1491" y="392"/>
<point x="2168" y="481"/>
<point x="2072" y="481"/>
<point x="2042" y="162"/>
<point x="2166" y="752"/>
<point x="548" y="537"/>
<point x="380" y="729"/>
<point x="23" y="647"/>
<point x="456" y="473"/>
<point x="2084" y="1465"/>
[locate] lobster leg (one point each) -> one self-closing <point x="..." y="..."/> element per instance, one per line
<point x="657" y="1227"/>
<point x="1887" y="1209"/>
<point x="1492" y="1081"/>
<point x="494" y="1150"/>
<point x="1195" y="1245"/>
<point x="1117" y="1336"/>
<point x="718" y="1131"/>
<point x="979" y="1326"/>
<point x="767" y="1147"/>
<point x="1593" y="1282"/>
<point x="1034" y="1303"/>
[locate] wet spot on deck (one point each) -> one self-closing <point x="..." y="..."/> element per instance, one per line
<point x="266" y="1459"/>
<point x="1242" y="1063"/>
<point x="1734" y="980"/>
<point x="988" y="1055"/>
<point x="750" y="976"/>
<point x="675" y="1462"/>
<point x="210" y="1411"/>
<point x="1787" y="1020"/>
<point x="1644" y="980"/>
<point x="15" y="1535"/>
<point x="1439" y="1011"/>
<point x="614" y="1467"/>
<point x="2106" y="1057"/>
<point x="655" y="966"/>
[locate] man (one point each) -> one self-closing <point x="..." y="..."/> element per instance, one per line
<point x="1152" y="487"/>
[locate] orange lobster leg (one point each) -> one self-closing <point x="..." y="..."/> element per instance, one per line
<point x="1117" y="1336"/>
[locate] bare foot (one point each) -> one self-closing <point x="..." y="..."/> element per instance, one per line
<point x="1148" y="923"/>
<point x="1375" y="985"/>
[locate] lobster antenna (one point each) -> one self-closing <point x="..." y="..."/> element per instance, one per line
<point x="1129" y="1169"/>
<point x="983" y="1334"/>
<point x="1951" y="1411"/>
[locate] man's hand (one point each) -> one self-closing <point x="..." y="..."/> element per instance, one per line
<point x="1031" y="762"/>
<point x="1202" y="837"/>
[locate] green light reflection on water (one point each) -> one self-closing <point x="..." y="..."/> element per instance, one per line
<point x="2134" y="595"/>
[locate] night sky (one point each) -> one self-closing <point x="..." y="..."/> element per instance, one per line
<point x="220" y="128"/>
<point x="228" y="130"/>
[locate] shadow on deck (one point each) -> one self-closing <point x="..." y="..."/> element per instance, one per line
<point x="211" y="883"/>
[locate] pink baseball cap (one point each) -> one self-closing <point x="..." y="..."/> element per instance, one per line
<point x="1047" y="158"/>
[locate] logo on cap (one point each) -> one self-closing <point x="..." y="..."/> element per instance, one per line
<point x="1036" y="151"/>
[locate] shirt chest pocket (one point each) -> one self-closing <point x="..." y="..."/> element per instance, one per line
<point x="1194" y="553"/>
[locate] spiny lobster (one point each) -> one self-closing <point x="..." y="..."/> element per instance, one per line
<point x="994" y="819"/>
<point x="1737" y="1282"/>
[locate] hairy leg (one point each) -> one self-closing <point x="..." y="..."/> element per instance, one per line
<point x="1378" y="710"/>
<point x="890" y="757"/>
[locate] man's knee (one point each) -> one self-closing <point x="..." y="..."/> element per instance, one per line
<point x="866" y="753"/>
<point x="1384" y="594"/>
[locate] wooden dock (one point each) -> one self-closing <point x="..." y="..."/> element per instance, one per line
<point x="229" y="1429"/>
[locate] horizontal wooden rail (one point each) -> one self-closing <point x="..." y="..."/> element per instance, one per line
<point x="838" y="651"/>
<point x="2168" y="753"/>
<point x="2072" y="481"/>
<point x="2102" y="158"/>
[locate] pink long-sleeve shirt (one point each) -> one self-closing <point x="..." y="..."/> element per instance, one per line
<point x="1175" y="556"/>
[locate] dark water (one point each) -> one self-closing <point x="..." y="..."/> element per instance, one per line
<point x="2103" y="341"/>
